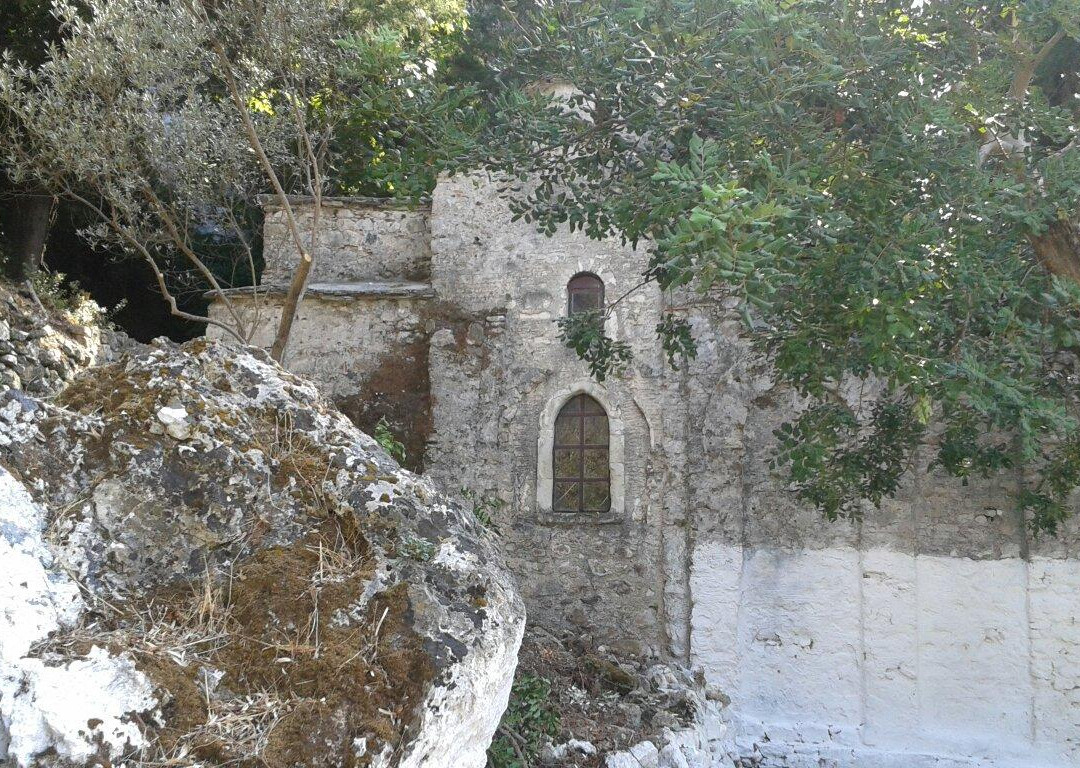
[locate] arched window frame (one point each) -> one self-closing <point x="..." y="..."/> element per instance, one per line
<point x="545" y="480"/>
<point x="580" y="289"/>
<point x="581" y="468"/>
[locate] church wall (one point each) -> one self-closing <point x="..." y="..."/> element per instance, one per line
<point x="495" y="378"/>
<point x="920" y="636"/>
<point x="863" y="654"/>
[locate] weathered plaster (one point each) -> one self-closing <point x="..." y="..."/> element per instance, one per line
<point x="878" y="653"/>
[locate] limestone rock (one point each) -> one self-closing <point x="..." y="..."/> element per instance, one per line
<point x="74" y="708"/>
<point x="258" y="578"/>
<point x="554" y="754"/>
<point x="175" y="421"/>
<point x="692" y="729"/>
<point x="41" y="350"/>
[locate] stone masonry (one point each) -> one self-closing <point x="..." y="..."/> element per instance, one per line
<point x="934" y="633"/>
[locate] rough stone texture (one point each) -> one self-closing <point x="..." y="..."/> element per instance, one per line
<point x="359" y="240"/>
<point x="48" y="706"/>
<point x="934" y="632"/>
<point x="699" y="739"/>
<point x="41" y="350"/>
<point x="618" y="710"/>
<point x="198" y="495"/>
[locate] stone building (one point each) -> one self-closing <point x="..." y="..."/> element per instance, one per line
<point x="933" y="633"/>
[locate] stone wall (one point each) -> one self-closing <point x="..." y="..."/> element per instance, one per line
<point x="933" y="629"/>
<point x="495" y="391"/>
<point x="42" y="347"/>
<point x="359" y="240"/>
<point x="932" y="633"/>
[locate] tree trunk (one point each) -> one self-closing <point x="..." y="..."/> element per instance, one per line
<point x="33" y="214"/>
<point x="290" y="307"/>
<point x="1058" y="249"/>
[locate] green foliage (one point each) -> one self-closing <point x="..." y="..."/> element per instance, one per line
<point x="408" y="114"/>
<point x="386" y="440"/>
<point x="170" y="121"/>
<point x="529" y="721"/>
<point x="167" y="122"/>
<point x="677" y="339"/>
<point x="55" y="292"/>
<point x="888" y="190"/>
<point x="834" y="459"/>
<point x="584" y="333"/>
<point x="485" y="508"/>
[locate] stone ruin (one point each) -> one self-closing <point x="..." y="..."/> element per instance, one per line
<point x="934" y="632"/>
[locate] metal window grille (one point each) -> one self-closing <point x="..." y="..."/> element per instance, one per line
<point x="582" y="464"/>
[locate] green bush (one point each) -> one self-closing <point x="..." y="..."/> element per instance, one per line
<point x="385" y="438"/>
<point x="529" y="721"/>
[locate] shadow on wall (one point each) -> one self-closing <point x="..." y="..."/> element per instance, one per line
<point x="399" y="391"/>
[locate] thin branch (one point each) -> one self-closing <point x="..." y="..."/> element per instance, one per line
<point x="303" y="269"/>
<point x="255" y="294"/>
<point x="113" y="222"/>
<point x="29" y="286"/>
<point x="517" y="743"/>
<point x="1026" y="71"/>
<point x="632" y="289"/>
<point x="300" y="278"/>
<point x="181" y="242"/>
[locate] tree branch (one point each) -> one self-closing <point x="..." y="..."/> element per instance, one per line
<point x="190" y="255"/>
<point x="1024" y="74"/>
<point x="255" y="295"/>
<point x="111" y="220"/>
<point x="300" y="278"/>
<point x="303" y="269"/>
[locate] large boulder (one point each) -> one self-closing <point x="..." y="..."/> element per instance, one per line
<point x="202" y="562"/>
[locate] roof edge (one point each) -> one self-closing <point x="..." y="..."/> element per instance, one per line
<point x="345" y="290"/>
<point x="272" y="203"/>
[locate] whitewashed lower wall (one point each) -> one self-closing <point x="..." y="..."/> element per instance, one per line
<point x="879" y="658"/>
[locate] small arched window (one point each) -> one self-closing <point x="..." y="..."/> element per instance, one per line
<point x="585" y="293"/>
<point x="582" y="470"/>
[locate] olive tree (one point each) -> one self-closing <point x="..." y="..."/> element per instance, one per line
<point x="26" y="28"/>
<point x="168" y="120"/>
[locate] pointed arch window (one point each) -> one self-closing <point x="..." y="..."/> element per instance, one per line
<point x="582" y="461"/>
<point x="585" y="293"/>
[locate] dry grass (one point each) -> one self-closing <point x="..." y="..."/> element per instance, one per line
<point x="272" y="664"/>
<point x="300" y="463"/>
<point x="185" y="630"/>
<point x="237" y="731"/>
